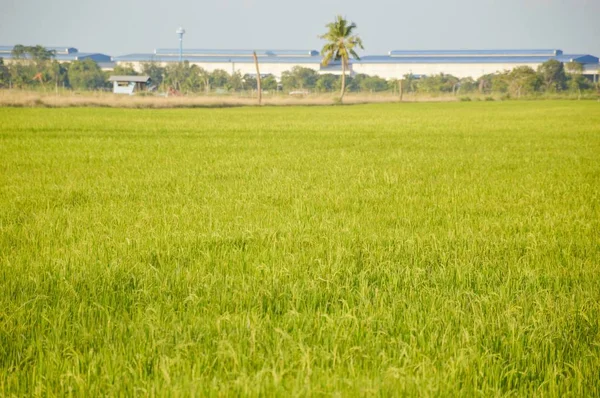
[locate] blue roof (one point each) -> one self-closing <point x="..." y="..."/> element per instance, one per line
<point x="473" y="53"/>
<point x="376" y="59"/>
<point x="236" y="53"/>
<point x="368" y="59"/>
<point x="71" y="57"/>
<point x="215" y="59"/>
<point x="581" y="58"/>
<point x="58" y="50"/>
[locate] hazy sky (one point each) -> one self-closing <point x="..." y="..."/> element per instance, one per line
<point x="118" y="27"/>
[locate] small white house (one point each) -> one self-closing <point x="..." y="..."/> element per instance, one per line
<point x="129" y="84"/>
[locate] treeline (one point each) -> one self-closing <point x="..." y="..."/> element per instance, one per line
<point x="36" y="67"/>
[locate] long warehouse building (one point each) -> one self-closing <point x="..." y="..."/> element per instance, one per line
<point x="65" y="54"/>
<point x="396" y="64"/>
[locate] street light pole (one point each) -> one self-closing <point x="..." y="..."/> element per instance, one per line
<point x="180" y="32"/>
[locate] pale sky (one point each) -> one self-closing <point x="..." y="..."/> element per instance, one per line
<point x="118" y="27"/>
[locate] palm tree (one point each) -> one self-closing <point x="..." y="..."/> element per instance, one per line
<point x="340" y="45"/>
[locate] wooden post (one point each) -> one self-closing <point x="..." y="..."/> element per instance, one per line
<point x="257" y="78"/>
<point x="400" y="90"/>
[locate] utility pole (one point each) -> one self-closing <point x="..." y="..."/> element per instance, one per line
<point x="257" y="78"/>
<point x="400" y="89"/>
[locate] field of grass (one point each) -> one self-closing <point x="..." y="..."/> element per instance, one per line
<point x="394" y="249"/>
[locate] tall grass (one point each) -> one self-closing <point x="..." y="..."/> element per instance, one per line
<point x="418" y="249"/>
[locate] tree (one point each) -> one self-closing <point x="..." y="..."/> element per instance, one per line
<point x="340" y="46"/>
<point x="467" y="85"/>
<point x="184" y="77"/>
<point x="18" y="51"/>
<point x="4" y="74"/>
<point x="205" y="76"/>
<point x="32" y="66"/>
<point x="299" y="78"/>
<point x="86" y="75"/>
<point x="58" y="74"/>
<point x="410" y="82"/>
<point x="522" y="80"/>
<point x="219" y="78"/>
<point x="235" y="81"/>
<point x="484" y="83"/>
<point x="355" y="82"/>
<point x="124" y="70"/>
<point x="269" y="83"/>
<point x="553" y="75"/>
<point x="326" y="82"/>
<point x="250" y="81"/>
<point x="155" y="71"/>
<point x="576" y="81"/>
<point x="441" y="83"/>
<point x="373" y="84"/>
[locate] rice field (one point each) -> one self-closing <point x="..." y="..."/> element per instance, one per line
<point x="426" y="249"/>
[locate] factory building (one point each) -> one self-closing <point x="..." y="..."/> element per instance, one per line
<point x="271" y="62"/>
<point x="459" y="63"/>
<point x="65" y="54"/>
<point x="396" y="64"/>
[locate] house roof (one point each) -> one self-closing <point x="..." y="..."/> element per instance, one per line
<point x="136" y="79"/>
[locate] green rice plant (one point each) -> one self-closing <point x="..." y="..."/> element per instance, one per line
<point x="447" y="249"/>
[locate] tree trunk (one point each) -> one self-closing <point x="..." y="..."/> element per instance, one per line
<point x="257" y="78"/>
<point x="343" y="80"/>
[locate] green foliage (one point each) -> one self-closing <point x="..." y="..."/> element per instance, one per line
<point x="441" y="83"/>
<point x="57" y="73"/>
<point x="341" y="45"/>
<point x="21" y="74"/>
<point x="269" y="83"/>
<point x="37" y="54"/>
<point x="219" y="78"/>
<point x="576" y="82"/>
<point x="249" y="82"/>
<point x="124" y="70"/>
<point x="436" y="249"/>
<point x="299" y="78"/>
<point x="32" y="66"/>
<point x="467" y="85"/>
<point x="341" y="41"/>
<point x="235" y="82"/>
<point x="410" y="83"/>
<point x="522" y="80"/>
<point x="573" y="67"/>
<point x="553" y="76"/>
<point x="373" y="84"/>
<point x="327" y="82"/>
<point x="86" y="75"/>
<point x="4" y="74"/>
<point x="155" y="71"/>
<point x="184" y="77"/>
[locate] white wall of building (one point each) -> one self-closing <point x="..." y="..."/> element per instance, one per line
<point x="396" y="71"/>
<point x="383" y="70"/>
<point x="275" y="69"/>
